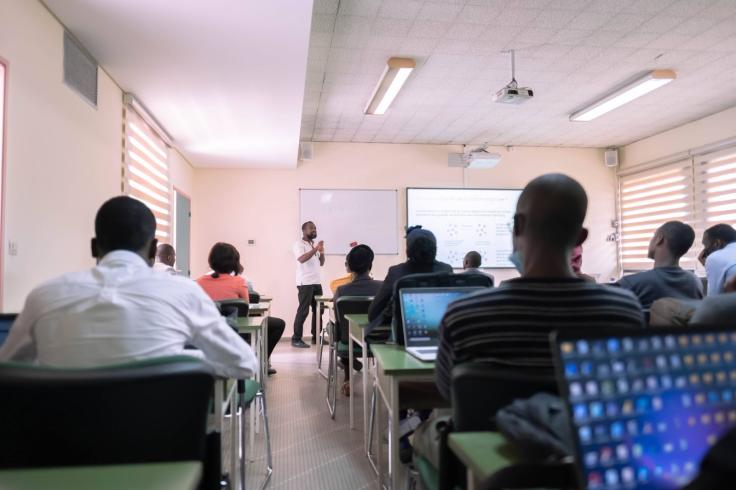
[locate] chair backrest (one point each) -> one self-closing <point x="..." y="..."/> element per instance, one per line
<point x="479" y="390"/>
<point x="147" y="411"/>
<point x="346" y="305"/>
<point x="430" y="280"/>
<point x="238" y="307"/>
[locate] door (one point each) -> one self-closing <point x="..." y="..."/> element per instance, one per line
<point x="183" y="228"/>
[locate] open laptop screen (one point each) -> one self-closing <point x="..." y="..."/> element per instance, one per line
<point x="6" y="321"/>
<point x="422" y="310"/>
<point x="647" y="405"/>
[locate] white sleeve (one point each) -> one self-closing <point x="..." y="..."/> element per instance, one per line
<point x="228" y="354"/>
<point x="298" y="250"/>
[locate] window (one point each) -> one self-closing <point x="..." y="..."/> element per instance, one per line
<point x="699" y="190"/>
<point x="146" y="170"/>
<point x="715" y="184"/>
<point x="648" y="199"/>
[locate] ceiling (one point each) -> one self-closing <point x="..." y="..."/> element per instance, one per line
<point x="569" y="51"/>
<point x="225" y="78"/>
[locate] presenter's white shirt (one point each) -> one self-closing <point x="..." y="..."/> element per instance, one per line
<point x="161" y="267"/>
<point x="307" y="273"/>
<point x="121" y="311"/>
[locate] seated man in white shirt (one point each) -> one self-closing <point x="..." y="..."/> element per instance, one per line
<point x="165" y="259"/>
<point x="718" y="257"/>
<point x="121" y="310"/>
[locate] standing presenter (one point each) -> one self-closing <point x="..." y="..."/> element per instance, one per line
<point x="309" y="257"/>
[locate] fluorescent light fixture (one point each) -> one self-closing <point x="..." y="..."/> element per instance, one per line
<point x="394" y="76"/>
<point x="641" y="86"/>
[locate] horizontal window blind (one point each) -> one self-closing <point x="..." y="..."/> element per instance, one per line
<point x="715" y="186"/>
<point x="647" y="200"/>
<point x="146" y="170"/>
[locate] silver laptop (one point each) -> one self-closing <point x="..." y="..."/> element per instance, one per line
<point x="422" y="310"/>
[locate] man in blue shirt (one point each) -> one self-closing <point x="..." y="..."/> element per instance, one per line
<point x="718" y="256"/>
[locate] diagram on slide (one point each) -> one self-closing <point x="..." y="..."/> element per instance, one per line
<point x="465" y="220"/>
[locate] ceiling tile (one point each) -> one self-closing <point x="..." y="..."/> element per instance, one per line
<point x="443" y="12"/>
<point x="464" y="31"/>
<point x="478" y="14"/>
<point x="400" y="9"/>
<point x="362" y="7"/>
<point x="391" y="27"/>
<point x="518" y="17"/>
<point x="429" y="29"/>
<point x="325" y="7"/>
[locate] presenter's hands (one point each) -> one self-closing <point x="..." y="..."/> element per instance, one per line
<point x="321" y="247"/>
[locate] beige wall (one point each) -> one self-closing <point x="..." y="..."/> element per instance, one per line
<point x="709" y="130"/>
<point x="238" y="205"/>
<point x="62" y="155"/>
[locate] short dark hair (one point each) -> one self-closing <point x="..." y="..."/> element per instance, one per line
<point x="722" y="232"/>
<point x="473" y="258"/>
<point x="304" y="225"/>
<point x="557" y="205"/>
<point x="124" y="223"/>
<point x="360" y="259"/>
<point x="164" y="250"/>
<point x="678" y="236"/>
<point x="224" y="259"/>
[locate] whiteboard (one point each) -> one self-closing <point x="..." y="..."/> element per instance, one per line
<point x="465" y="220"/>
<point x="343" y="216"/>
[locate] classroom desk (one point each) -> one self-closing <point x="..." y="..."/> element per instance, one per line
<point x="261" y="311"/>
<point x="321" y="302"/>
<point x="356" y="326"/>
<point x="482" y="454"/>
<point x="394" y="367"/>
<point x="255" y="325"/>
<point x="159" y="476"/>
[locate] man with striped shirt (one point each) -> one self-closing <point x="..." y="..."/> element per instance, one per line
<point x="510" y="325"/>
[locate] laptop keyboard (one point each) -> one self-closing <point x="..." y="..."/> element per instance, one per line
<point x="647" y="408"/>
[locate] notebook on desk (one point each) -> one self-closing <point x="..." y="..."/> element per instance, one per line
<point x="6" y="321"/>
<point x="646" y="405"/>
<point x="422" y="310"/>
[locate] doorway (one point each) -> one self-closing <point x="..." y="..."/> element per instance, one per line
<point x="183" y="213"/>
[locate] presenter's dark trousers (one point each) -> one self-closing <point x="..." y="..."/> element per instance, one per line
<point x="306" y="300"/>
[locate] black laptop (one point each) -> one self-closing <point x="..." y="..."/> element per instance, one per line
<point x="646" y="405"/>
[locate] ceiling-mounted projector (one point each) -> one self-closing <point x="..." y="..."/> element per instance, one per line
<point x="477" y="159"/>
<point x="512" y="93"/>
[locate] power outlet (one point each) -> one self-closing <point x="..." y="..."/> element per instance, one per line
<point x="251" y="243"/>
<point x="13" y="248"/>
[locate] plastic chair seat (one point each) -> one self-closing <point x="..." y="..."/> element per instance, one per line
<point x="252" y="387"/>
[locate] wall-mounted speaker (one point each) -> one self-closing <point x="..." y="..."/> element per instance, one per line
<point x="610" y="157"/>
<point x="306" y="151"/>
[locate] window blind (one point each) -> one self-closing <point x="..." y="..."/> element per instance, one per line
<point x="715" y="185"/>
<point x="647" y="200"/>
<point x="146" y="170"/>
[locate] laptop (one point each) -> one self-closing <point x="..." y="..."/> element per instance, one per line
<point x="6" y="321"/>
<point x="646" y="405"/>
<point x="422" y="310"/>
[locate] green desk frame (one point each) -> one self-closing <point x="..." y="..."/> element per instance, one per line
<point x="394" y="367"/>
<point x="482" y="454"/>
<point x="160" y="476"/>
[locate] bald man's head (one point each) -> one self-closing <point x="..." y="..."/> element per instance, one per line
<point x="165" y="254"/>
<point x="551" y="210"/>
